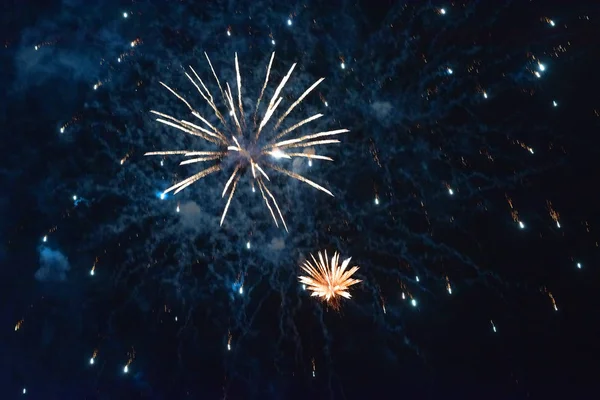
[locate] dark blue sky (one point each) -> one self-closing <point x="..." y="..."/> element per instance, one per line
<point x="450" y="126"/>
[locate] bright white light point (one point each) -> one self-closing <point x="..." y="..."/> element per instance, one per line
<point x="542" y="67"/>
<point x="162" y="196"/>
<point x="449" y="290"/>
<point x="450" y="191"/>
<point x="417" y="278"/>
<point x="579" y="265"/>
<point x="36" y="47"/>
<point x="273" y="42"/>
<point x="24" y="390"/>
<point x="485" y="95"/>
<point x="241" y="291"/>
<point x="343" y="65"/>
<point x="443" y="11"/>
<point x="228" y="33"/>
<point x="449" y="70"/>
<point x="119" y="59"/>
<point x="413" y="302"/>
<point x="74" y="198"/>
<point x="95" y="87"/>
<point x="231" y="113"/>
<point x="557" y="224"/>
<point x="537" y="74"/>
<point x="44" y="239"/>
<point x="177" y="209"/>
<point x="247" y="245"/>
<point x="289" y="22"/>
<point x="376" y="201"/>
<point x="310" y="163"/>
<point x="531" y="150"/>
<point x="162" y="163"/>
<point x="228" y="347"/>
<point x="552" y="23"/>
<point x="92" y="361"/>
<point x="521" y="225"/>
<point x="126" y="369"/>
<point x="277" y="153"/>
<point x="132" y="44"/>
<point x="125" y="15"/>
<point x="493" y="326"/>
<point x="92" y="272"/>
<point x="303" y="287"/>
<point x="62" y="130"/>
<point x="176" y="318"/>
<point x="555" y="308"/>
<point x="554" y="103"/>
<point x="326" y="104"/>
<point x="253" y="190"/>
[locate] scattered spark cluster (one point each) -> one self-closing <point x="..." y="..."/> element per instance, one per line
<point x="410" y="178"/>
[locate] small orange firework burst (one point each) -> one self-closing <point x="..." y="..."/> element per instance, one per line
<point x="329" y="281"/>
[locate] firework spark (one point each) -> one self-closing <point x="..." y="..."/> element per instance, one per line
<point x="240" y="143"/>
<point x="329" y="281"/>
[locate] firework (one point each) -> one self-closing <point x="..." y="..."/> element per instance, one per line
<point x="239" y="142"/>
<point x="329" y="281"/>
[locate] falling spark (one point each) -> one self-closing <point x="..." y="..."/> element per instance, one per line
<point x="229" y="341"/>
<point x="129" y="361"/>
<point x="549" y="293"/>
<point x="328" y="279"/>
<point x="493" y="326"/>
<point x="93" y="270"/>
<point x="553" y="214"/>
<point x="19" y="324"/>
<point x="238" y="140"/>
<point x="124" y="158"/>
<point x="94" y="355"/>
<point x="514" y="213"/>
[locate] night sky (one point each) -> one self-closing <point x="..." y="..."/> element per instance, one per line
<point x="465" y="190"/>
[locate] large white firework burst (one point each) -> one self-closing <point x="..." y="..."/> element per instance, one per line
<point x="238" y="138"/>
